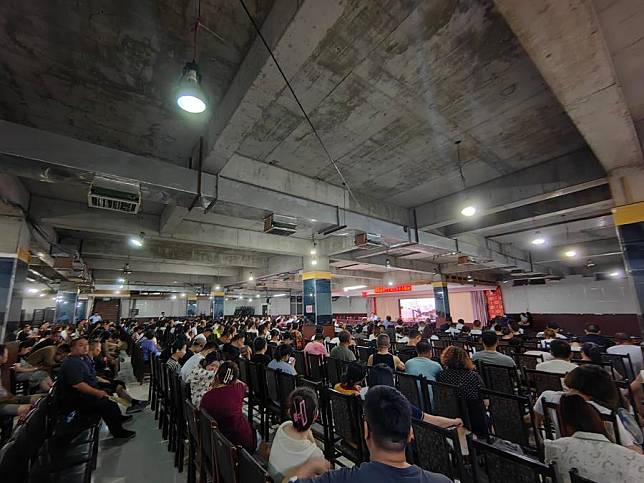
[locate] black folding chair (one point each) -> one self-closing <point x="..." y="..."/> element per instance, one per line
<point x="207" y="425"/>
<point x="345" y="417"/>
<point x="226" y="455"/>
<point x="334" y="369"/>
<point x="493" y="464"/>
<point x="414" y="388"/>
<point x="438" y="450"/>
<point x="541" y="381"/>
<point x="507" y="412"/>
<point x="447" y="403"/>
<point x="621" y="364"/>
<point x="250" y="471"/>
<point x="499" y="378"/>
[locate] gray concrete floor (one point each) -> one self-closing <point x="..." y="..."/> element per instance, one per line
<point x="143" y="458"/>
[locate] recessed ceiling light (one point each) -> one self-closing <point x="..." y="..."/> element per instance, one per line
<point x="468" y="211"/>
<point x="257" y="296"/>
<point x="250" y="300"/>
<point x="538" y="241"/>
<point x="615" y="274"/>
<point x="571" y="253"/>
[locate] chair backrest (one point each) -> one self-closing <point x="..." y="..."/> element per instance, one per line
<point x="256" y="377"/>
<point x="272" y="388"/>
<point x="286" y="384"/>
<point x="543" y="381"/>
<point x="364" y="352"/>
<point x="226" y="454"/>
<point x="346" y="420"/>
<point x="300" y="362"/>
<point x="315" y="364"/>
<point x="500" y="378"/>
<point x="621" y="363"/>
<point x="528" y="361"/>
<point x="250" y="471"/>
<point x="36" y="428"/>
<point x="508" y="350"/>
<point x="14" y="462"/>
<point x="334" y="370"/>
<point x="551" y="420"/>
<point x="507" y="412"/>
<point x="243" y="370"/>
<point x="207" y="425"/>
<point x="192" y="419"/>
<point x="413" y="388"/>
<point x="501" y="466"/>
<point x="438" y="450"/>
<point x="446" y="403"/>
<point x="575" y="478"/>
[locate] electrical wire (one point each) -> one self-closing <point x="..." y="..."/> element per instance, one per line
<point x="297" y="100"/>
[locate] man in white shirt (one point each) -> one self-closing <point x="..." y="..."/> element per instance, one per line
<point x="560" y="363"/>
<point x="200" y="353"/>
<point x="95" y="318"/>
<point x="626" y="346"/>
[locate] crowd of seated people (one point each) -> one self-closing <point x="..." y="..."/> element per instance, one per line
<point x="206" y="355"/>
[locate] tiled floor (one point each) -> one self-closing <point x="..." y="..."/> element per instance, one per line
<point x="141" y="459"/>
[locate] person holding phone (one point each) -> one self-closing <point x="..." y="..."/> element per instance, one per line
<point x="282" y="360"/>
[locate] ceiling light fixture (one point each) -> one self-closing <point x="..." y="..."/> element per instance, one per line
<point x="137" y="240"/>
<point x="571" y="253"/>
<point x="250" y="300"/>
<point x="390" y="283"/>
<point x="190" y="96"/>
<point x="279" y="295"/>
<point x="120" y="280"/>
<point x="217" y="287"/>
<point x="250" y="277"/>
<point x="41" y="295"/>
<point x="468" y="211"/>
<point x="33" y="290"/>
<point x="590" y="263"/>
<point x="615" y="274"/>
<point x="117" y="292"/>
<point x="120" y="286"/>
<point x="256" y="295"/>
<point x="388" y="263"/>
<point x="314" y="261"/>
<point x="538" y="240"/>
<point x="174" y="297"/>
<point x="183" y="295"/>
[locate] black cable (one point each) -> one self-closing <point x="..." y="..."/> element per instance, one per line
<point x="297" y="100"/>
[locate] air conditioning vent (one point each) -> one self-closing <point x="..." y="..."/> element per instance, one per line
<point x="280" y="225"/>
<point x="113" y="195"/>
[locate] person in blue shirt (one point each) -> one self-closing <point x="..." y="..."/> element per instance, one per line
<point x="280" y="361"/>
<point x="149" y="345"/>
<point x="423" y="365"/>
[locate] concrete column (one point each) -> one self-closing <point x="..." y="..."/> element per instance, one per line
<point x="316" y="295"/>
<point x="441" y="298"/>
<point x="66" y="300"/>
<point x="629" y="220"/>
<point x="14" y="261"/>
<point x="217" y="306"/>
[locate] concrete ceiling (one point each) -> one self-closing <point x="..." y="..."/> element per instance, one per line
<point x="390" y="88"/>
<point x="104" y="71"/>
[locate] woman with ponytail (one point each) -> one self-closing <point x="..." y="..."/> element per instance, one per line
<point x="224" y="403"/>
<point x="293" y="444"/>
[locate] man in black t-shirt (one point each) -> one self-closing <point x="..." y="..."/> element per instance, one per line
<point x="79" y="390"/>
<point x="387" y="431"/>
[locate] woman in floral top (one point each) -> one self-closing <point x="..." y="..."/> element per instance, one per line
<point x="202" y="376"/>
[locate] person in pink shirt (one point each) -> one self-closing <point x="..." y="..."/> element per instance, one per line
<point x="316" y="346"/>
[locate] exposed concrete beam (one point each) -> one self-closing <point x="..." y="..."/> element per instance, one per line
<point x="140" y="278"/>
<point x="596" y="197"/>
<point x="557" y="177"/>
<point x="584" y="251"/>
<point x="171" y="217"/>
<point x="76" y="216"/>
<point x="566" y="43"/>
<point x="395" y="263"/>
<point x="161" y="267"/>
<point x="161" y="251"/>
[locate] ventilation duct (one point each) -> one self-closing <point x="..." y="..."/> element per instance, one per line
<point x="280" y="225"/>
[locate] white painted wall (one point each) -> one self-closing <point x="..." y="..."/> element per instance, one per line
<point x="572" y="295"/>
<point x="350" y="305"/>
<point x="153" y="308"/>
<point x="460" y="306"/>
<point x="280" y="306"/>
